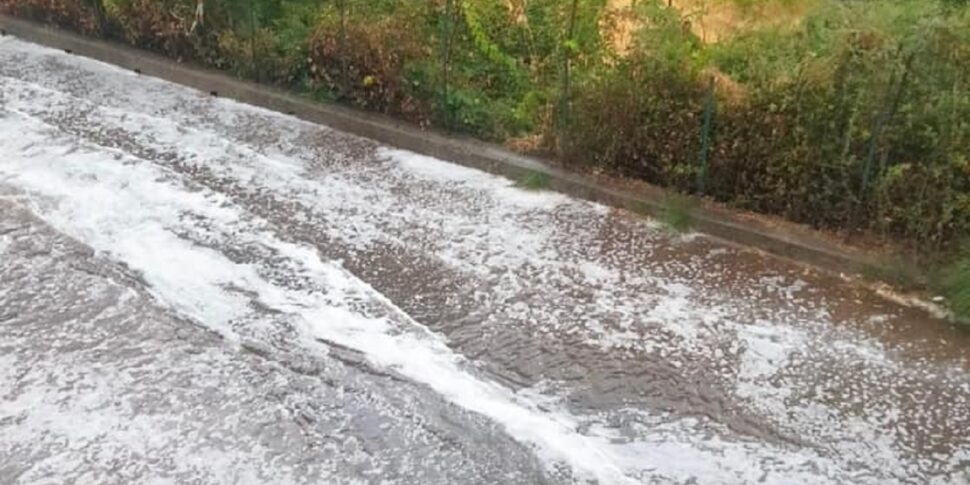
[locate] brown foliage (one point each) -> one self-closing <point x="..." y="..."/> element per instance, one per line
<point x="638" y="129"/>
<point x="367" y="66"/>
<point x="156" y="25"/>
<point x="71" y="14"/>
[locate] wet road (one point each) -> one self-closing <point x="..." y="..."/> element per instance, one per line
<point x="197" y="291"/>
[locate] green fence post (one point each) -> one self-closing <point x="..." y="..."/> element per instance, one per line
<point x="252" y="40"/>
<point x="447" y="32"/>
<point x="894" y="92"/>
<point x="99" y="16"/>
<point x="568" y="45"/>
<point x="707" y="132"/>
<point x="344" y="71"/>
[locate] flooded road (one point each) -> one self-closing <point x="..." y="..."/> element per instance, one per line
<point x="193" y="290"/>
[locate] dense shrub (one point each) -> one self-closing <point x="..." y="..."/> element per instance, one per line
<point x="854" y="116"/>
<point x="376" y="58"/>
<point x="157" y="25"/>
<point x="76" y="15"/>
<point x="854" y="119"/>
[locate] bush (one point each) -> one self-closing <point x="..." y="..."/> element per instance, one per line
<point x="78" y="15"/>
<point x="852" y="118"/>
<point x="362" y="56"/>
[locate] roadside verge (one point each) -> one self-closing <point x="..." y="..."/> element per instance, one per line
<point x="775" y="237"/>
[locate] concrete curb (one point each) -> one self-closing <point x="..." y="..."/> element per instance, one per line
<point x="786" y="240"/>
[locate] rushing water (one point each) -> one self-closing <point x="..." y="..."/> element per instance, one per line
<point x="491" y="334"/>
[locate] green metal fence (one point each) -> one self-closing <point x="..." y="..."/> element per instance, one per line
<point x="834" y="152"/>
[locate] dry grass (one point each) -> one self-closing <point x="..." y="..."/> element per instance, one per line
<point x="710" y="20"/>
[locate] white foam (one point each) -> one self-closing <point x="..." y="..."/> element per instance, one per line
<point x="439" y="171"/>
<point x="516" y="233"/>
<point x="134" y="213"/>
<point x="125" y="209"/>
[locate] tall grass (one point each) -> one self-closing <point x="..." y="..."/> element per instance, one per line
<point x="677" y="213"/>
<point x="534" y="180"/>
<point x="955" y="285"/>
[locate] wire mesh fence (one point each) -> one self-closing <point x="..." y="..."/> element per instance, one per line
<point x="856" y="125"/>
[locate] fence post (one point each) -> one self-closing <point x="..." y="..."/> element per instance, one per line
<point x="894" y="92"/>
<point x="568" y="44"/>
<point x="344" y="73"/>
<point x="252" y="40"/>
<point x="707" y="129"/>
<point x="447" y="32"/>
<point x="99" y="16"/>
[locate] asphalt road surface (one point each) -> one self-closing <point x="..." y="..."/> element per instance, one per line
<point x="194" y="290"/>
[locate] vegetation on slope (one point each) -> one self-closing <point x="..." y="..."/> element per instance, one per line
<point x="846" y="115"/>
